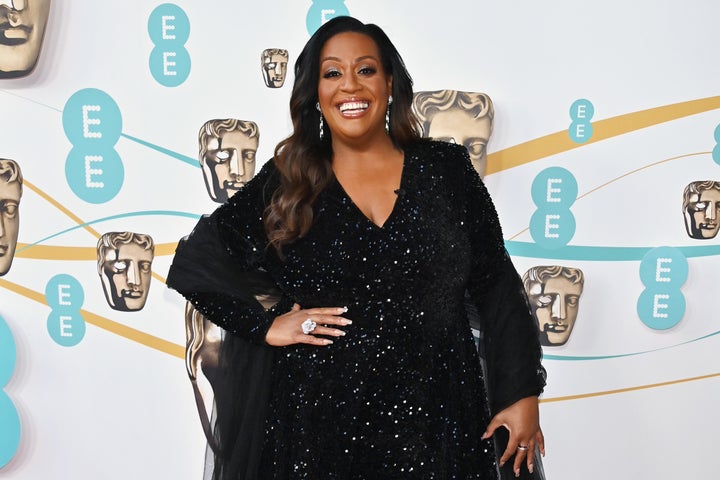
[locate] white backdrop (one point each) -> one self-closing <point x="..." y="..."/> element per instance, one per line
<point x="623" y="400"/>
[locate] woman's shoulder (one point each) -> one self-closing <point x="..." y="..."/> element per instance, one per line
<point x="430" y="146"/>
<point x="442" y="157"/>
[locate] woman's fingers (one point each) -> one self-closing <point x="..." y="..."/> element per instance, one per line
<point x="525" y="452"/>
<point x="328" y="331"/>
<point x="540" y="439"/>
<point x="521" y="421"/>
<point x="306" y="326"/>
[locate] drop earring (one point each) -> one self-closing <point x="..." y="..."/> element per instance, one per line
<point x="322" y="132"/>
<point x="387" y="115"/>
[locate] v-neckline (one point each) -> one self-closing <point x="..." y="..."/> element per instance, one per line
<point x="398" y="194"/>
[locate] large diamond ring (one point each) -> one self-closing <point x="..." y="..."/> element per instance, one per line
<point x="308" y="326"/>
<point x="522" y="447"/>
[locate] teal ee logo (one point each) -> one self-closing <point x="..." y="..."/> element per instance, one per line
<point x="323" y="10"/>
<point x="9" y="418"/>
<point x="581" y="112"/>
<point x="93" y="124"/>
<point x="716" y="150"/>
<point x="169" y="29"/>
<point x="65" y="296"/>
<point x="553" y="191"/>
<point x="663" y="271"/>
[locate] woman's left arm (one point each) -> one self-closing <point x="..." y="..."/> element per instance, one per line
<point x="511" y="346"/>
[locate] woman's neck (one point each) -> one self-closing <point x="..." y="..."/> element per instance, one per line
<point x="364" y="155"/>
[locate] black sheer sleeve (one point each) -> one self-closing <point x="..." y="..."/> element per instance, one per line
<point x="219" y="267"/>
<point x="509" y="335"/>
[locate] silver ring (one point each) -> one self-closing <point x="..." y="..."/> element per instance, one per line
<point x="522" y="448"/>
<point x="308" y="326"/>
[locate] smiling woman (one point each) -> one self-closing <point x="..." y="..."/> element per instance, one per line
<point x="375" y="246"/>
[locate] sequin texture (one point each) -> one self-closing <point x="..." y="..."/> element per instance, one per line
<point x="401" y="395"/>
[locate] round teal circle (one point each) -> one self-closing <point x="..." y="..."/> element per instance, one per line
<point x="10" y="431"/>
<point x="66" y="327"/>
<point x="64" y="292"/>
<point x="662" y="312"/>
<point x="323" y="10"/>
<point x="664" y="267"/>
<point x="173" y="70"/>
<point x="582" y="111"/>
<point x="554" y="187"/>
<point x="717" y="133"/>
<point x="576" y="135"/>
<point x="176" y="28"/>
<point x="101" y="123"/>
<point x="560" y="232"/>
<point x="94" y="175"/>
<point x="8" y="353"/>
<point x="716" y="154"/>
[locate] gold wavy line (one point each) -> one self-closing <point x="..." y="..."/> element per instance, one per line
<point x="602" y="129"/>
<point x="105" y="323"/>
<point x="517" y="155"/>
<point x="49" y="252"/>
<point x="654" y="164"/>
<point x="179" y="351"/>
<point x="60" y="207"/>
<point x="628" y="389"/>
<point x="44" y="252"/>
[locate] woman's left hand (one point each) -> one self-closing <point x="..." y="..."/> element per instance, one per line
<point x="522" y="419"/>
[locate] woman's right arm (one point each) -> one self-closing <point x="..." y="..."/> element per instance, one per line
<point x="219" y="266"/>
<point x="220" y="269"/>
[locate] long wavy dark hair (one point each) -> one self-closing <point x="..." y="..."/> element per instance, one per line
<point x="303" y="160"/>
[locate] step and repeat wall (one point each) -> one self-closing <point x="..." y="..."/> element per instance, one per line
<point x="596" y="127"/>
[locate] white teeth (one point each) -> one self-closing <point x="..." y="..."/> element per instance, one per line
<point x="353" y="106"/>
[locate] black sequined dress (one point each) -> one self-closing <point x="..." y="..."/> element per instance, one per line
<point x="402" y="395"/>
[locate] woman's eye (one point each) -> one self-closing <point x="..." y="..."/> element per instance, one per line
<point x="331" y="74"/>
<point x="367" y="71"/>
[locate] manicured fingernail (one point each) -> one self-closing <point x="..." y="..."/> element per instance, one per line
<point x="343" y="309"/>
<point x="517" y="473"/>
<point x="340" y="332"/>
<point x="346" y="321"/>
<point x="328" y="342"/>
<point x="530" y="467"/>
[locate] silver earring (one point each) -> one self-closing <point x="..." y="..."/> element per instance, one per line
<point x="387" y="115"/>
<point x="322" y="132"/>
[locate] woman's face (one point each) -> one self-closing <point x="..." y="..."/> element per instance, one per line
<point x="353" y="89"/>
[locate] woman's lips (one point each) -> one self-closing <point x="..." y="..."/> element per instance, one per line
<point x="353" y="108"/>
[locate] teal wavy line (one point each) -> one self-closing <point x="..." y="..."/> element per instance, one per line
<point x="606" y="357"/>
<point x="30" y="100"/>
<point x="613" y="254"/>
<point x="189" y="160"/>
<point x="167" y="213"/>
